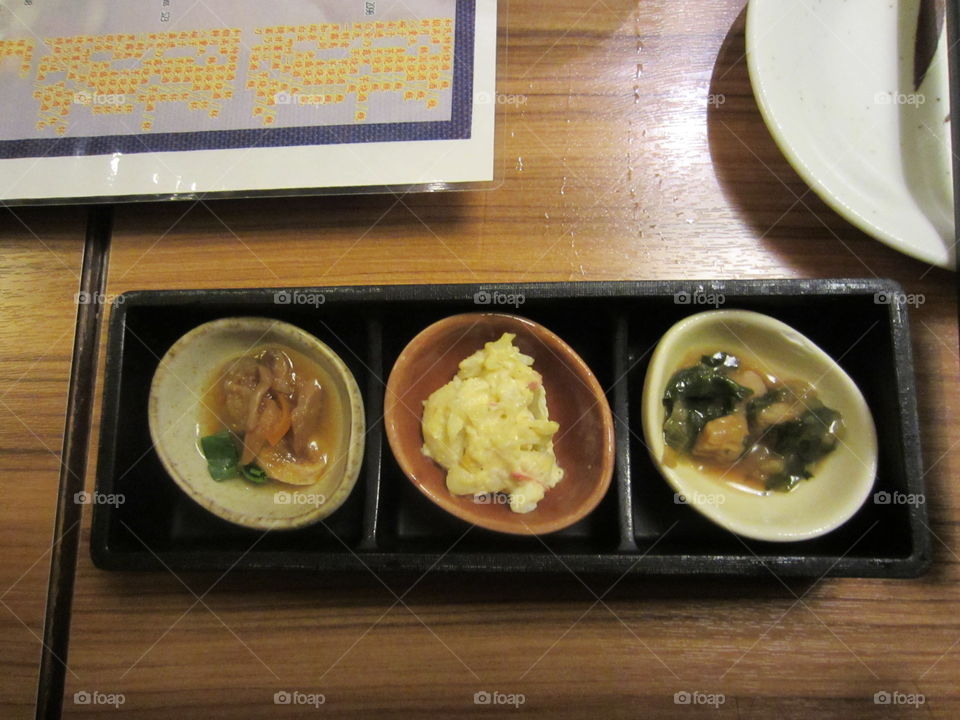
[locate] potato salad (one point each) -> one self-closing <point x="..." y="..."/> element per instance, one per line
<point x="489" y="428"/>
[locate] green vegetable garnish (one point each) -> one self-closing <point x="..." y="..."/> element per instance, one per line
<point x="222" y="455"/>
<point x="223" y="459"/>
<point x="802" y="442"/>
<point x="696" y="395"/>
<point x="253" y="473"/>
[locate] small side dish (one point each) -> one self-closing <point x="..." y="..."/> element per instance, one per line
<point x="258" y="422"/>
<point x="512" y="410"/>
<point x="490" y="429"/>
<point x="757" y="428"/>
<point x="746" y="426"/>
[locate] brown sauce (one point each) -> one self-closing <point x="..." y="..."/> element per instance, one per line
<point x="297" y="385"/>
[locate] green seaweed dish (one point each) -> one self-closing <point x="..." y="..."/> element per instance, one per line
<point x="746" y="425"/>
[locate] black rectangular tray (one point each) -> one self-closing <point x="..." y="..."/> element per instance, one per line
<point x="386" y="524"/>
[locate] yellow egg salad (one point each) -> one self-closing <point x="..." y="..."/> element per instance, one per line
<point x="490" y="429"/>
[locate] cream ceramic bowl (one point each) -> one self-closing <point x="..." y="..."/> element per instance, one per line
<point x="174" y="411"/>
<point x="844" y="478"/>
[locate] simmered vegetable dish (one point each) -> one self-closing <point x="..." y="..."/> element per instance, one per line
<point x="752" y="429"/>
<point x="269" y="415"/>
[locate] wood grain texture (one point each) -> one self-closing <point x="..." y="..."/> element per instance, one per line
<point x="40" y="255"/>
<point x="614" y="166"/>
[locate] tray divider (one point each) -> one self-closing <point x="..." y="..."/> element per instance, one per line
<point x="373" y="454"/>
<point x="621" y="426"/>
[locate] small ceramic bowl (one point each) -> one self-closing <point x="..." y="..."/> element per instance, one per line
<point x="584" y="445"/>
<point x="843" y="479"/>
<point x="175" y="407"/>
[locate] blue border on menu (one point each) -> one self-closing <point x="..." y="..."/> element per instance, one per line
<point x="458" y="127"/>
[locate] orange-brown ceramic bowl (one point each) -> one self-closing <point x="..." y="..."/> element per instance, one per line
<point x="584" y="444"/>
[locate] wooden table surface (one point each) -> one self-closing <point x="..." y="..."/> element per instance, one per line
<point x="614" y="167"/>
<point x="40" y="255"/>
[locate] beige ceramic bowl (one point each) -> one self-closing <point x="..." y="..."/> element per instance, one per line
<point x="843" y="479"/>
<point x="584" y="444"/>
<point x="175" y="408"/>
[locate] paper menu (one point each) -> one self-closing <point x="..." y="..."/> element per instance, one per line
<point x="171" y="98"/>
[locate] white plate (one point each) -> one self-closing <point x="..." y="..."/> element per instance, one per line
<point x="834" y="81"/>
